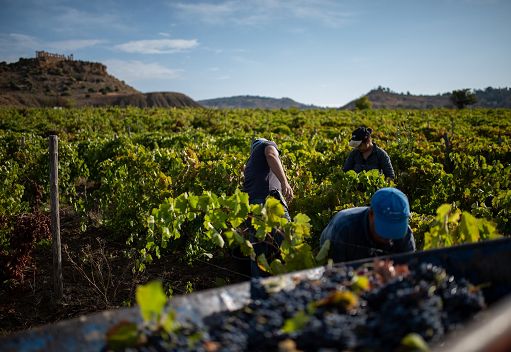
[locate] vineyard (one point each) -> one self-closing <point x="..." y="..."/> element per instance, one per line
<point x="166" y="183"/>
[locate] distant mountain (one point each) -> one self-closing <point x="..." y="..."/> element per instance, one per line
<point x="254" y="102"/>
<point x="56" y="80"/>
<point x="384" y="98"/>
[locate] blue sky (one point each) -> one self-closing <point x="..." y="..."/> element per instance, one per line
<point x="320" y="52"/>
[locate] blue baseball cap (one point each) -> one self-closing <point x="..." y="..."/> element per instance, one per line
<point x="391" y="213"/>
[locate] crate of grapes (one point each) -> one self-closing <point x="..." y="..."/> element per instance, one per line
<point x="452" y="299"/>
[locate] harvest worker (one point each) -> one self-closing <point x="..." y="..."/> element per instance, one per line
<point x="377" y="230"/>
<point x="264" y="172"/>
<point x="366" y="155"/>
<point x="265" y="176"/>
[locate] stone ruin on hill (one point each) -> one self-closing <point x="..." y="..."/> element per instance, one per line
<point x="52" y="57"/>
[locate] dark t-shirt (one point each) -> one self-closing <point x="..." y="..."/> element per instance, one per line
<point x="348" y="232"/>
<point x="259" y="179"/>
<point x="378" y="159"/>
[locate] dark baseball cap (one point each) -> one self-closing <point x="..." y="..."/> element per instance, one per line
<point x="359" y="135"/>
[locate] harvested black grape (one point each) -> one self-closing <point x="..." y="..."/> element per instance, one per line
<point x="378" y="307"/>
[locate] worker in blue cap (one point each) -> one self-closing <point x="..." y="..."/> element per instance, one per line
<point x="380" y="229"/>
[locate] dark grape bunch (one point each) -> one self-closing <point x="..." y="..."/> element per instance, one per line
<point x="371" y="309"/>
<point x="28" y="228"/>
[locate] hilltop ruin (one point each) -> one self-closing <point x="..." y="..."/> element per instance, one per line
<point x="52" y="56"/>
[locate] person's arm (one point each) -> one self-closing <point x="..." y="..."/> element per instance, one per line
<point x="349" y="164"/>
<point x="331" y="233"/>
<point x="272" y="157"/>
<point x="386" y="164"/>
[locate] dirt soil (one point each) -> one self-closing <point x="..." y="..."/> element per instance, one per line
<point x="97" y="276"/>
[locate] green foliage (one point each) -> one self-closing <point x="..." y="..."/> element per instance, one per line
<point x="296" y="323"/>
<point x="11" y="192"/>
<point x="224" y="219"/>
<point x="117" y="164"/>
<point x="452" y="227"/>
<point x="363" y="103"/>
<point x="502" y="202"/>
<point x="425" y="182"/>
<point x="131" y="183"/>
<point x="463" y="97"/>
<point x="152" y="302"/>
<point x="414" y="342"/>
<point x="11" y="204"/>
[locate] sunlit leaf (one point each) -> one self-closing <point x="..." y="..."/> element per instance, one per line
<point x="360" y="283"/>
<point x="296" y="323"/>
<point x="168" y="322"/>
<point x="277" y="268"/>
<point x="274" y="210"/>
<point x="182" y="203"/>
<point x="469" y="228"/>
<point x="193" y="200"/>
<point x="262" y="263"/>
<point x="218" y="239"/>
<point x="302" y="225"/>
<point x="322" y="255"/>
<point x="246" y="248"/>
<point x="346" y="299"/>
<point x="414" y="342"/>
<point x="300" y="258"/>
<point x="151" y="300"/>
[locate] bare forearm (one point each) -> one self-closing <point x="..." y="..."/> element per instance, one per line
<point x="276" y="167"/>
<point x="272" y="157"/>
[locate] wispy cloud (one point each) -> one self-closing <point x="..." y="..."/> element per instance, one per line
<point x="158" y="46"/>
<point x="17" y="40"/>
<point x="253" y="12"/>
<point x="68" y="19"/>
<point x="73" y="44"/>
<point x="137" y="70"/>
<point x="212" y="13"/>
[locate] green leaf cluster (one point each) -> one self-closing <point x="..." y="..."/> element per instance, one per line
<point x="452" y="227"/>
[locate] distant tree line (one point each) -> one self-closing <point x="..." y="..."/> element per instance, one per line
<point x="463" y="97"/>
<point x="489" y="97"/>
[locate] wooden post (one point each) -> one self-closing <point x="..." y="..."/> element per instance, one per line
<point x="55" y="217"/>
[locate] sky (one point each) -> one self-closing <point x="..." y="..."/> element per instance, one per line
<point x="320" y="52"/>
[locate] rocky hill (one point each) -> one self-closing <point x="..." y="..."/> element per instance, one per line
<point x="254" y="102"/>
<point x="384" y="98"/>
<point x="54" y="80"/>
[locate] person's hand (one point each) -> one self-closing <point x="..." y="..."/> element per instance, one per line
<point x="287" y="192"/>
